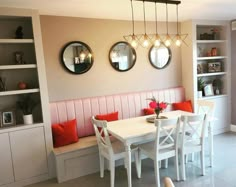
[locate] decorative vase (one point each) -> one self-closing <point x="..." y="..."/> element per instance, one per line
<point x="28" y="119"/>
<point x="157" y="111"/>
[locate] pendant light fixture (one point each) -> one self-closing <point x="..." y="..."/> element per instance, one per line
<point x="157" y="41"/>
<point x="168" y="38"/>
<point x="178" y="41"/>
<point x="145" y="40"/>
<point x="134" y="40"/>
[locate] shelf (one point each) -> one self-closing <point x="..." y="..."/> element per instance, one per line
<point x="21" y="66"/>
<point x="16" y="92"/>
<point x="212" y="97"/>
<point x="20" y="127"/>
<point x="12" y="41"/>
<point x="211" y="74"/>
<point x="210" y="41"/>
<point x="211" y="58"/>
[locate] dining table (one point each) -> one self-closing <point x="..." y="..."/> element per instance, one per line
<point x="137" y="130"/>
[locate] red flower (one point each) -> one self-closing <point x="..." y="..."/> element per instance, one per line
<point x="162" y="105"/>
<point x="153" y="104"/>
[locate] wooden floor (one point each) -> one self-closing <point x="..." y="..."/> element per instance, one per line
<point x="223" y="174"/>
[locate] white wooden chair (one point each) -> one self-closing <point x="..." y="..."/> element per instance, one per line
<point x="165" y="145"/>
<point x="111" y="150"/>
<point x="208" y="107"/>
<point x="192" y="139"/>
<point x="168" y="182"/>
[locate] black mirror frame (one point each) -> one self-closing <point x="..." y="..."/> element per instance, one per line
<point x="133" y="51"/>
<point x="168" y="62"/>
<point x="62" y="54"/>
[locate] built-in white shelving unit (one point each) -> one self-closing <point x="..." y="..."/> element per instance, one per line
<point x="25" y="149"/>
<point x="208" y="57"/>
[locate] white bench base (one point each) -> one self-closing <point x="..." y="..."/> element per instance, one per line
<point x="77" y="159"/>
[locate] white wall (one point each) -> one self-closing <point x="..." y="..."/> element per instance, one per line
<point x="102" y="79"/>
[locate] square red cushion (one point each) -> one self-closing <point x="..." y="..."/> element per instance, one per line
<point x="148" y="111"/>
<point x="64" y="133"/>
<point x="108" y="117"/>
<point x="185" y="106"/>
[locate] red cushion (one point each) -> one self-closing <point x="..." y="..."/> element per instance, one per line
<point x="64" y="133"/>
<point x="148" y="111"/>
<point x="108" y="117"/>
<point x="185" y="106"/>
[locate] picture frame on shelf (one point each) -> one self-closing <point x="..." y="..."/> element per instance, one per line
<point x="199" y="69"/>
<point x="208" y="90"/>
<point x="8" y="118"/>
<point x="214" y="67"/>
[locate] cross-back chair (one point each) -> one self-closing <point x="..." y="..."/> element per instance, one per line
<point x="165" y="145"/>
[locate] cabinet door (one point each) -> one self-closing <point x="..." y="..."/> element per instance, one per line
<point x="6" y="170"/>
<point x="28" y="153"/>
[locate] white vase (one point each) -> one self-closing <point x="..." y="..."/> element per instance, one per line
<point x="28" y="119"/>
<point x="199" y="94"/>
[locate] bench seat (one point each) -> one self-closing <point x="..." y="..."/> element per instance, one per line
<point x="81" y="158"/>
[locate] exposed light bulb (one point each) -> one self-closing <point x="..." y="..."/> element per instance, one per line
<point x="168" y="41"/>
<point x="178" y="41"/>
<point x="133" y="41"/>
<point x="145" y="42"/>
<point x="157" y="41"/>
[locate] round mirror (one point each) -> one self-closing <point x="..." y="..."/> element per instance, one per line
<point x="77" y="57"/>
<point x="160" y="56"/>
<point x="122" y="56"/>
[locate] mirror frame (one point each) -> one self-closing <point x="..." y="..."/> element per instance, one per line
<point x="168" y="61"/>
<point x="133" y="51"/>
<point x="62" y="56"/>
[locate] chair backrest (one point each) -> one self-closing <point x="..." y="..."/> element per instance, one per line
<point x="103" y="139"/>
<point x="168" y="182"/>
<point x="166" y="134"/>
<point x="206" y="107"/>
<point x="193" y="129"/>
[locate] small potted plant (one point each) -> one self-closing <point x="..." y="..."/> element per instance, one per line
<point x="26" y="104"/>
<point x="200" y="86"/>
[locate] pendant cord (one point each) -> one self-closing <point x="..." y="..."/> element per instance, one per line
<point x="144" y="17"/>
<point x="132" y="15"/>
<point x="156" y="15"/>
<point x="167" y="18"/>
<point x="177" y="15"/>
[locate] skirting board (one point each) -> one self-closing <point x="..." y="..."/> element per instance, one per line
<point x="233" y="128"/>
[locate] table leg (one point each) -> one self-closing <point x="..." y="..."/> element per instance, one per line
<point x="210" y="140"/>
<point x="128" y="164"/>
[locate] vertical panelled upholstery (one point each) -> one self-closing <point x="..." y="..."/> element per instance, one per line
<point x="128" y="105"/>
<point x="80" y="117"/>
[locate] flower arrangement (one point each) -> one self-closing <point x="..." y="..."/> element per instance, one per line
<point x="157" y="106"/>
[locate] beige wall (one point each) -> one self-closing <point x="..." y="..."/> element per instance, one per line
<point x="101" y="79"/>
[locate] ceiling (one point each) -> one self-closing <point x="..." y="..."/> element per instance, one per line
<point x="121" y="9"/>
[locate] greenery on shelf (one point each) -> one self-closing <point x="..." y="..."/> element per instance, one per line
<point x="26" y="104"/>
<point x="217" y="83"/>
<point x="200" y="84"/>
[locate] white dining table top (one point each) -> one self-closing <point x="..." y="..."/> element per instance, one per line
<point x="131" y="130"/>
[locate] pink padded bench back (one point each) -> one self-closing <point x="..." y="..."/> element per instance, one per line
<point x="128" y="105"/>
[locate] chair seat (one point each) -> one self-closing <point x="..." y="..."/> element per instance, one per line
<point x="148" y="149"/>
